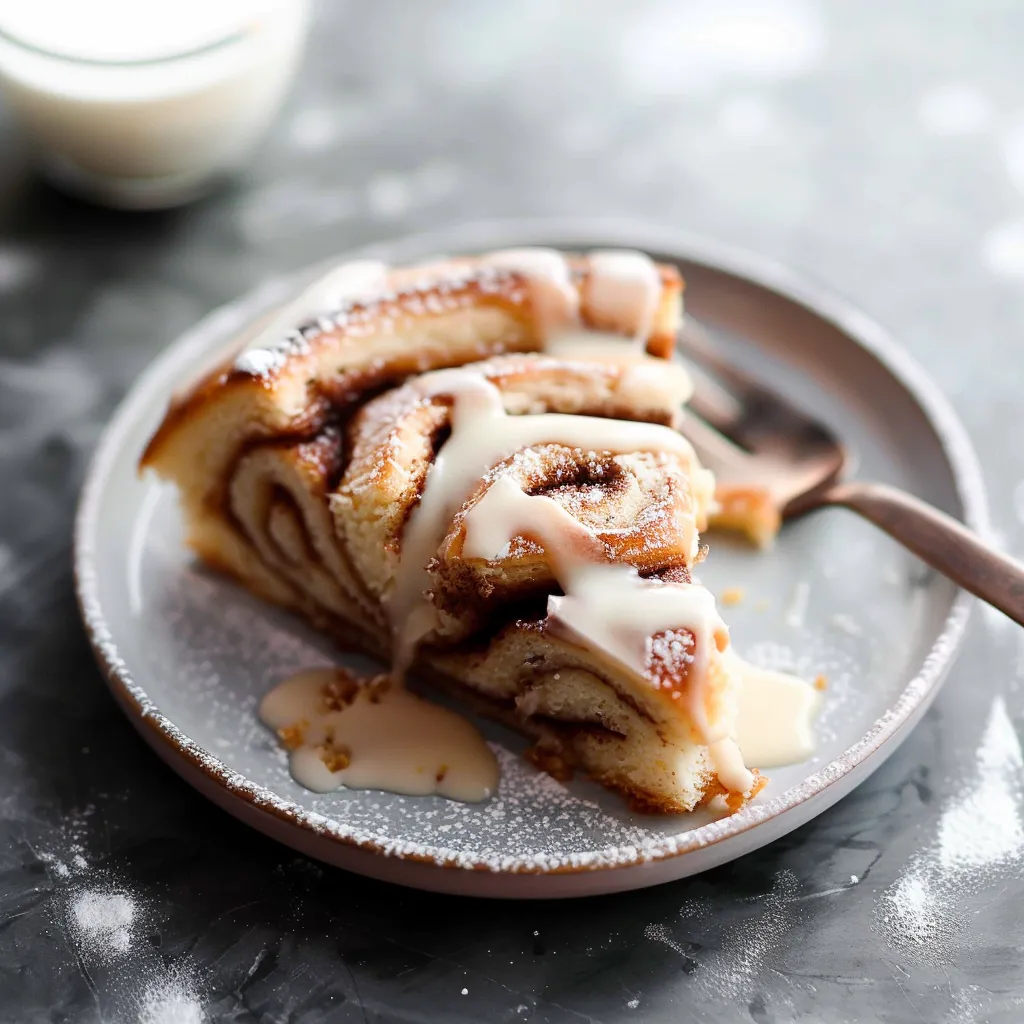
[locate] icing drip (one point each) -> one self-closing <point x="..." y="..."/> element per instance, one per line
<point x="482" y="435"/>
<point x="647" y="380"/>
<point x="609" y="608"/>
<point x="555" y="299"/>
<point x="624" y="291"/>
<point x="654" y="380"/>
<point x="384" y="736"/>
<point x="776" y="715"/>
<point x="373" y="735"/>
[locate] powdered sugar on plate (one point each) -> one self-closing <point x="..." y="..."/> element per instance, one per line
<point x="219" y="650"/>
<point x="193" y="658"/>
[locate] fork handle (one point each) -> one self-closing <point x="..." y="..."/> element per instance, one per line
<point x="940" y="540"/>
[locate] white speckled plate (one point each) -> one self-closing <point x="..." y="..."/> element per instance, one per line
<point x="188" y="654"/>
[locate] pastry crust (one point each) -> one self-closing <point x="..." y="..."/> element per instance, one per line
<point x="300" y="464"/>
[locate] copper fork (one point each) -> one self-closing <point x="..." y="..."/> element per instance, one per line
<point x="758" y="443"/>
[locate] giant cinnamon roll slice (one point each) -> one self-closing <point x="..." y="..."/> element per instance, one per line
<point x="470" y="469"/>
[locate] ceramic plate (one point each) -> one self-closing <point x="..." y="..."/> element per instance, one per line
<point x="188" y="655"/>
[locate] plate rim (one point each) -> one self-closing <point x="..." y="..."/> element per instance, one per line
<point x="763" y="271"/>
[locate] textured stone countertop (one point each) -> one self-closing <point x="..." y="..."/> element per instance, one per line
<point x="877" y="148"/>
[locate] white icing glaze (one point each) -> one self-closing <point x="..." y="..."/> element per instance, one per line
<point x="609" y="608"/>
<point x="599" y="346"/>
<point x="648" y="381"/>
<point x="655" y="382"/>
<point x="556" y="301"/>
<point x="415" y="747"/>
<point x="394" y="741"/>
<point x="481" y="436"/>
<point x="347" y="283"/>
<point x="624" y="291"/>
<point x="776" y="715"/>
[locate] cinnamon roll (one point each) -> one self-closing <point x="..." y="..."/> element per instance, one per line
<point x="471" y="469"/>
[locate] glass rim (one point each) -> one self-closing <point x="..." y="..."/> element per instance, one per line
<point x="140" y="62"/>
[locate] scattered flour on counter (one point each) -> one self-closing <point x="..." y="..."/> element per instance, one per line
<point x="63" y="851"/>
<point x="917" y="919"/>
<point x="660" y="933"/>
<point x="171" y="1000"/>
<point x="103" y="921"/>
<point x="980" y="838"/>
<point x="729" y="965"/>
<point x="60" y="869"/>
<point x="982" y="828"/>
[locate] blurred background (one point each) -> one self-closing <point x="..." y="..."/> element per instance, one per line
<point x="877" y="148"/>
<point x="882" y="152"/>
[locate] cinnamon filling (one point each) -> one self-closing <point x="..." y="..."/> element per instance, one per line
<point x="530" y="495"/>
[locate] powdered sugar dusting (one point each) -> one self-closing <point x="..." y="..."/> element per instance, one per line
<point x="661" y="933"/>
<point x="534" y="824"/>
<point x="980" y="836"/>
<point x="338" y="304"/>
<point x="729" y="966"/>
<point x="241" y="758"/>
<point x="64" y="850"/>
<point x="171" y="1000"/>
<point x="104" y="920"/>
<point x="982" y="827"/>
<point x="109" y="925"/>
<point x="262" y="361"/>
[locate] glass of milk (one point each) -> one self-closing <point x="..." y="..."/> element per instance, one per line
<point x="146" y="103"/>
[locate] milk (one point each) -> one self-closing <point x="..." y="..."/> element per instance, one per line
<point x="144" y="104"/>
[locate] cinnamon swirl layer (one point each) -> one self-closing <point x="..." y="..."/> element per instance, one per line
<point x="412" y="472"/>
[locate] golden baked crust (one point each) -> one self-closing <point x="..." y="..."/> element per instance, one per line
<point x="749" y="510"/>
<point x="300" y="465"/>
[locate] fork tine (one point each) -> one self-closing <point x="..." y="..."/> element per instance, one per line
<point x="751" y="415"/>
